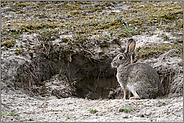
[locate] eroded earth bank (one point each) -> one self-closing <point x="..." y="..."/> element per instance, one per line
<point x="55" y="60"/>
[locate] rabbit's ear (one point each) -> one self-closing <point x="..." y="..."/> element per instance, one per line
<point x="130" y="45"/>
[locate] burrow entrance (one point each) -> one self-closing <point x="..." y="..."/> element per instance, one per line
<point x="87" y="78"/>
<point x="92" y="79"/>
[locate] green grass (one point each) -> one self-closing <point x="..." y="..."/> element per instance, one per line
<point x="13" y="114"/>
<point x="129" y="31"/>
<point x="93" y="111"/>
<point x="181" y="56"/>
<point x="10" y="114"/>
<point x="126" y="110"/>
<point x="4" y="113"/>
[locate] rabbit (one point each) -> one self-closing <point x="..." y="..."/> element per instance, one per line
<point x="138" y="78"/>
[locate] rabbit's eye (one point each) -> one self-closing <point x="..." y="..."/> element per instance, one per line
<point x="120" y="57"/>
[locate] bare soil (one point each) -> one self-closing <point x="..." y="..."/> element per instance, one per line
<point x="78" y="110"/>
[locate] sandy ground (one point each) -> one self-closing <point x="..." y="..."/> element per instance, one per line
<point x="70" y="109"/>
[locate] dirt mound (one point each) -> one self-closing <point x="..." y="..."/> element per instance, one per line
<point x="83" y="73"/>
<point x="169" y="67"/>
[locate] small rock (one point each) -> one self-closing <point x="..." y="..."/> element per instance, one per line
<point x="124" y="115"/>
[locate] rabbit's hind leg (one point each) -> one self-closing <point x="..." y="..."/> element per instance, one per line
<point x="135" y="95"/>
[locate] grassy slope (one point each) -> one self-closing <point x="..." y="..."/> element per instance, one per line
<point x="84" y="20"/>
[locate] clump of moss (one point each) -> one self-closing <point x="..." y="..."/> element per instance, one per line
<point x="135" y="22"/>
<point x="75" y="12"/>
<point x="152" y="50"/>
<point x="180" y="63"/>
<point x="179" y="41"/>
<point x="18" y="51"/>
<point x="8" y="44"/>
<point x="166" y="16"/>
<point x="22" y="4"/>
